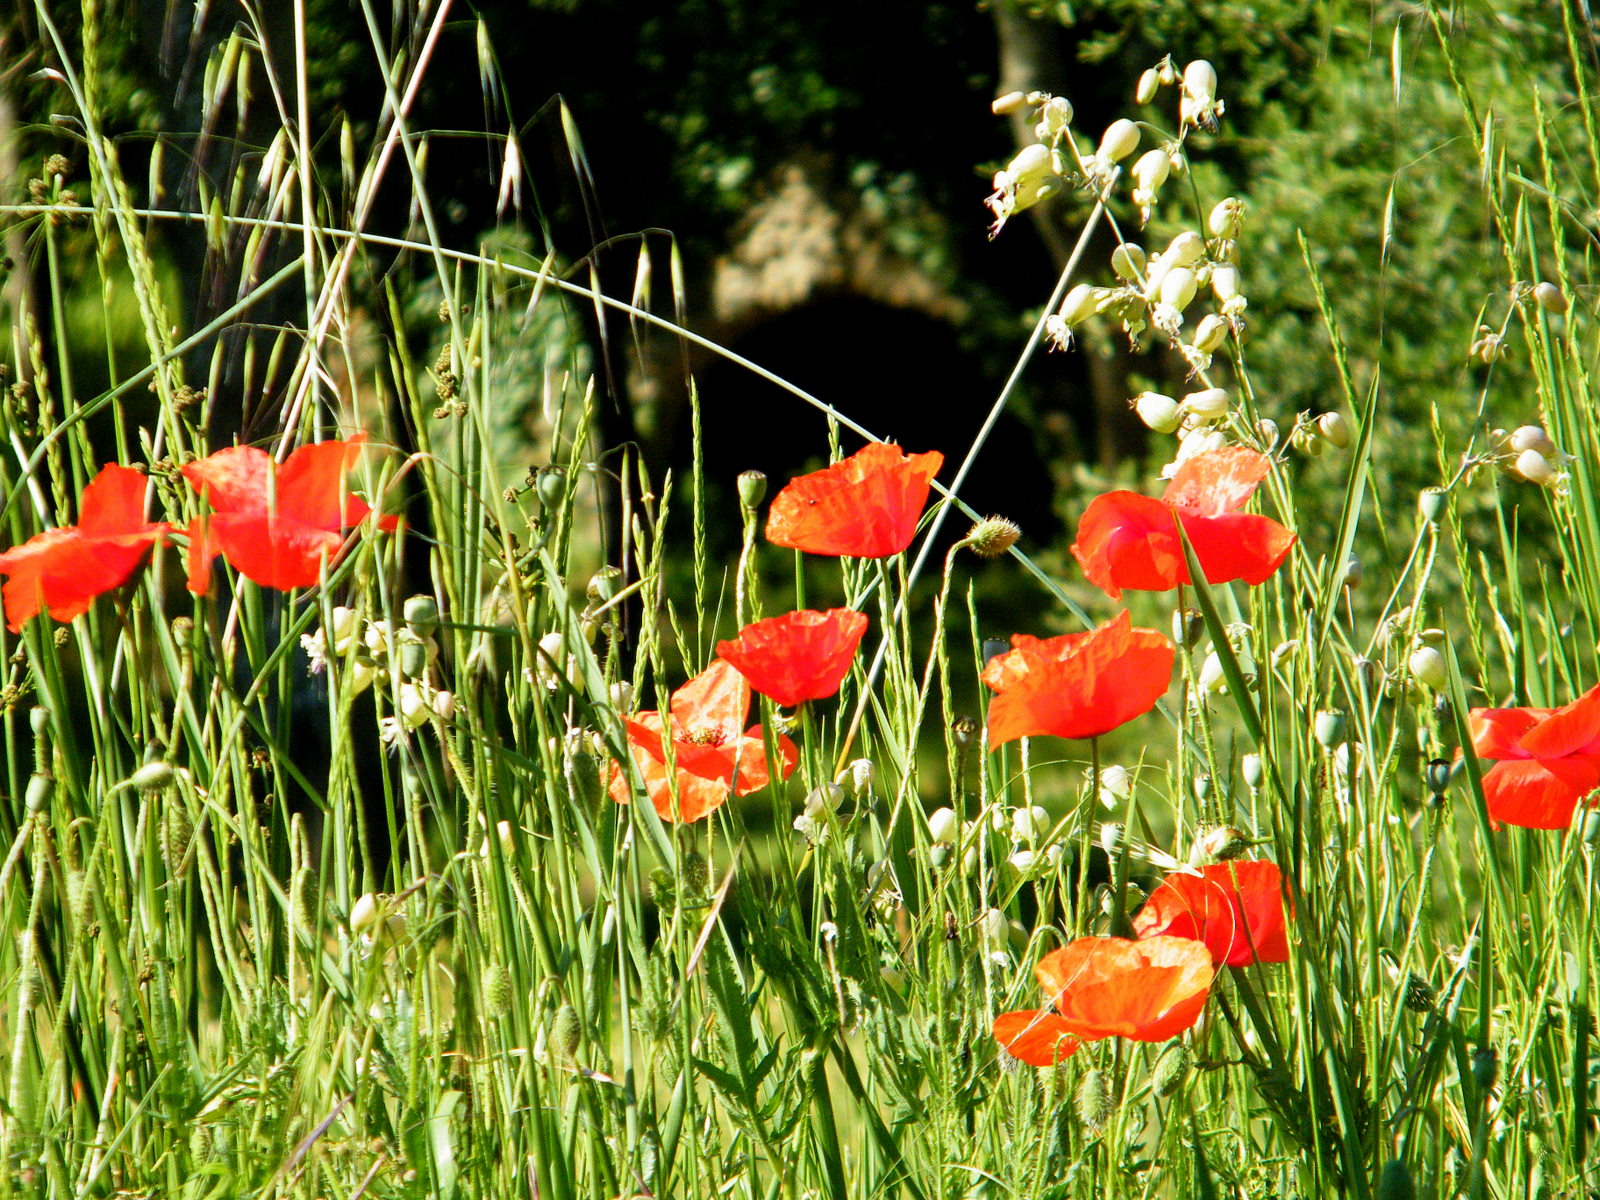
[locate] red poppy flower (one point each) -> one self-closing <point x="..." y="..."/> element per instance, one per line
<point x="1126" y="540"/>
<point x="1235" y="908"/>
<point x="799" y="656"/>
<point x="63" y="570"/>
<point x="712" y="751"/>
<point x="275" y="524"/>
<point x="1149" y="990"/>
<point x="1079" y="685"/>
<point x="1549" y="760"/>
<point x="866" y="506"/>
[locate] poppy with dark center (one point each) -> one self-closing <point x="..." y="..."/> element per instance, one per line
<point x="1130" y="541"/>
<point x="713" y="754"/>
<point x="1234" y="908"/>
<point x="274" y="524"/>
<point x="1548" y="760"/>
<point x="1099" y="987"/>
<point x="1079" y="685"/>
<point x="864" y="506"/>
<point x="63" y="570"/>
<point x="799" y="656"/>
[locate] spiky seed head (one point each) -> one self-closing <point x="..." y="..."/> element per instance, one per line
<point x="496" y="990"/>
<point x="1093" y="1100"/>
<point x="993" y="536"/>
<point x="565" y="1032"/>
<point x="1171" y="1069"/>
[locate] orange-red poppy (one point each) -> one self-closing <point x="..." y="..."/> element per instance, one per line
<point x="1079" y="685"/>
<point x="1234" y="908"/>
<point x="1549" y="760"/>
<point x="713" y="754"/>
<point x="63" y="570"/>
<point x="1099" y="987"/>
<point x="274" y="524"/>
<point x="799" y="656"/>
<point x="865" y="506"/>
<point x="1130" y="541"/>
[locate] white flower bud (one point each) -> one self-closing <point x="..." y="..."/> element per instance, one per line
<point x="1054" y="117"/>
<point x="1185" y="250"/>
<point x="943" y="826"/>
<point x="1253" y="770"/>
<point x="1533" y="437"/>
<point x="862" y="772"/>
<point x="1002" y="106"/>
<point x="1197" y="441"/>
<point x="1208" y="405"/>
<point x="444" y="705"/>
<point x="1028" y="823"/>
<point x="1079" y="304"/>
<point x="1200" y="81"/>
<point x="1226" y="218"/>
<point x="1120" y="139"/>
<point x="1534" y="467"/>
<point x="414" y="707"/>
<point x="1429" y="668"/>
<point x="1149" y="84"/>
<point x="1550" y="298"/>
<point x="1334" y="429"/>
<point x="1178" y="288"/>
<point x="994" y="925"/>
<point x="1210" y="333"/>
<point x="621" y="694"/>
<point x="1158" y="412"/>
<point x="1021" y="861"/>
<point x="1116" y="784"/>
<point x="343" y="628"/>
<point x="1212" y="679"/>
<point x="1149" y="173"/>
<point x="363" y="912"/>
<point x="1225" y="286"/>
<point x="1128" y="261"/>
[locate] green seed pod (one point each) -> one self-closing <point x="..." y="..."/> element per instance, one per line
<point x="752" y="489"/>
<point x="39" y="721"/>
<point x="1438" y="773"/>
<point x="565" y="1032"/>
<point x="1171" y="1069"/>
<point x="497" y="990"/>
<point x="1187" y="627"/>
<point x="422" y="614"/>
<point x="604" y="584"/>
<point x="992" y="537"/>
<point x="1093" y="1100"/>
<point x="551" y="484"/>
<point x="586" y="781"/>
<point x="1549" y="297"/>
<point x="176" y="831"/>
<point x="302" y="898"/>
<point x="1253" y="770"/>
<point x="695" y="873"/>
<point x="1394" y="1182"/>
<point x="1430" y="503"/>
<point x="1485" y="1067"/>
<point x="1419" y="997"/>
<point x="152" y="777"/>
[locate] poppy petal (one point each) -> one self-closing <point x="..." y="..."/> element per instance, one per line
<point x="1149" y="990"/>
<point x="233" y="480"/>
<point x="311" y="485"/>
<point x="865" y="506"/>
<point x="1568" y="730"/>
<point x="1237" y="546"/>
<point x="1218" y="481"/>
<point x="1126" y="540"/>
<point x="1236" y="909"/>
<point x="273" y="551"/>
<point x="1498" y="732"/>
<point x="113" y="503"/>
<point x="1040" y="1039"/>
<point x="713" y="705"/>
<point x="799" y="656"/>
<point x="1539" y="793"/>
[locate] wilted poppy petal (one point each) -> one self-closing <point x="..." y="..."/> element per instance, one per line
<point x="1568" y="730"/>
<point x="1236" y="546"/>
<point x="799" y="656"/>
<point x="1078" y="685"/>
<point x="1236" y="909"/>
<point x="273" y="551"/>
<point x="1126" y="540"/>
<point x="1040" y="1039"/>
<point x="865" y="506"/>
<point x="1539" y="793"/>
<point x="1218" y="481"/>
<point x="713" y="705"/>
<point x="1149" y="990"/>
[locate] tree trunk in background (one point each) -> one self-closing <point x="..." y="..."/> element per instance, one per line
<point x="1031" y="59"/>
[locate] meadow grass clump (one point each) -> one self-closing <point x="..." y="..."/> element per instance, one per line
<point x="386" y="815"/>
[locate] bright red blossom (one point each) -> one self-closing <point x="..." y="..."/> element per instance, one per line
<point x="713" y="753"/>
<point x="865" y="506"/>
<point x="799" y="656"/>
<point x="274" y="524"/>
<point x="63" y="570"/>
<point x="1149" y="990"/>
<point x="1079" y="685"/>
<point x="1234" y="908"/>
<point x="1549" y="760"/>
<point x="1126" y="540"/>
